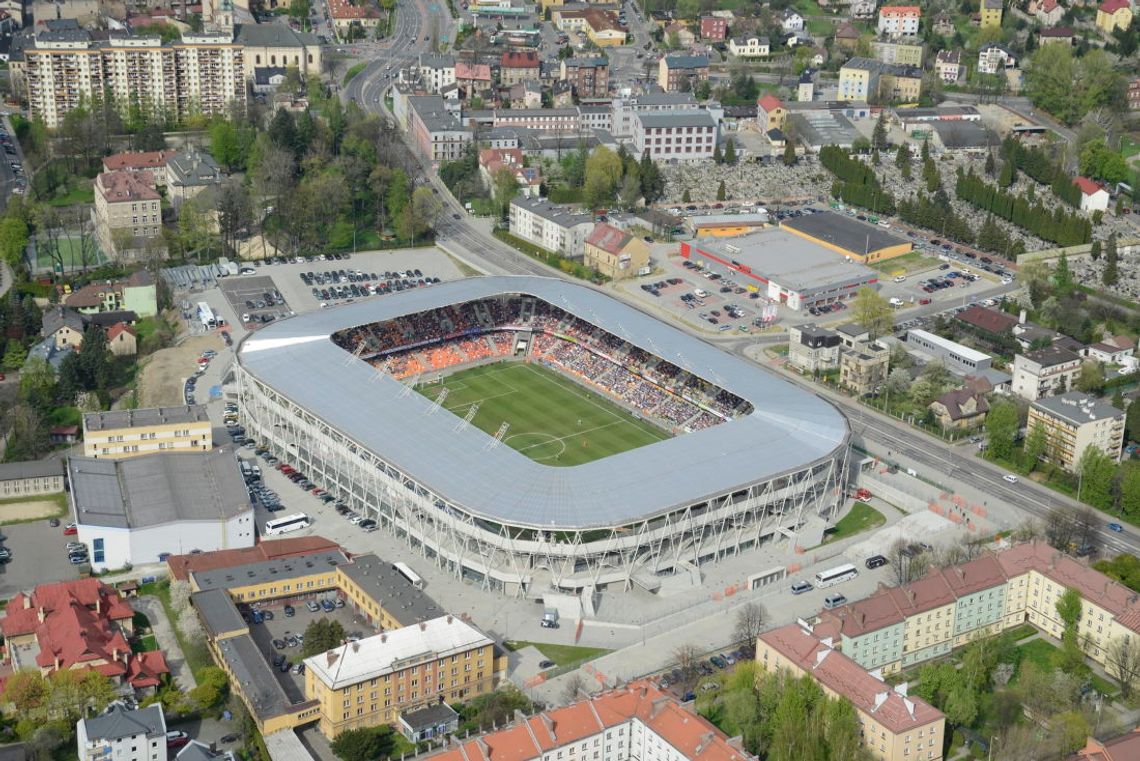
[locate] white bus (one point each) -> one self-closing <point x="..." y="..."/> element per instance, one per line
<point x="287" y="524"/>
<point x="409" y="574"/>
<point x="206" y="315"/>
<point x="836" y="575"/>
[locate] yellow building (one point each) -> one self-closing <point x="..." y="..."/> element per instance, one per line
<point x="896" y="727"/>
<point x="127" y="433"/>
<point x="1072" y="423"/>
<point x="866" y="79"/>
<point x="863" y="243"/>
<point x="601" y="26"/>
<point x="1113" y="14"/>
<point x="372" y="681"/>
<point x="991" y="11"/>
<point x="615" y="253"/>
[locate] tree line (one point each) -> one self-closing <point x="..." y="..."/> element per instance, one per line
<point x="1037" y="164"/>
<point x="1056" y="226"/>
<point x="855" y="183"/>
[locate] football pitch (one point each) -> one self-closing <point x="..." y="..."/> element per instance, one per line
<point x="552" y="420"/>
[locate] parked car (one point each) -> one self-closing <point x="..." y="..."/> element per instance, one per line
<point x="876" y="561"/>
<point x="70" y="530"/>
<point x="802" y="586"/>
<point x="312" y="606"/>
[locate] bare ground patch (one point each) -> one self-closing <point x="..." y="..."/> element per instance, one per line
<point x="161" y="377"/>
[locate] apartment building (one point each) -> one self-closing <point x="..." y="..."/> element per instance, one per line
<point x="991" y="13"/>
<point x="435" y="130"/>
<point x="437" y="71"/>
<point x="676" y="72"/>
<point x="861" y="79"/>
<point x="127" y="213"/>
<point x="1045" y="372"/>
<point x="200" y="73"/>
<point x="138" y="162"/>
<point x="714" y="28"/>
<point x="562" y="120"/>
<point x="372" y="681"/>
<point x="127" y="433"/>
<point x="121" y="734"/>
<point x="813" y="349"/>
<point x="553" y="227"/>
<point x="896" y="726"/>
<point x="674" y="137"/>
<point x="518" y="66"/>
<point x="589" y="77"/>
<point x="863" y="367"/>
<point x="904" y="51"/>
<point x="899" y="627"/>
<point x="636" y="722"/>
<point x="899" y="20"/>
<point x="1072" y="423"/>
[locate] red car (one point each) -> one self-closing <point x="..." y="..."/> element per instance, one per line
<point x="924" y="301"/>
<point x="70" y="529"/>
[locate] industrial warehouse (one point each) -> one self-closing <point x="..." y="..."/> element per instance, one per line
<point x="786" y="268"/>
<point x="854" y="239"/>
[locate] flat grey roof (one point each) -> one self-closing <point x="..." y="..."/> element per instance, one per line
<point x="407" y="604"/>
<point x="676" y="119"/>
<point x="849" y="234"/>
<point x="788" y="428"/>
<point x="819" y="128"/>
<point x="565" y="215"/>
<point x="1078" y="408"/>
<point x="278" y="569"/>
<point x="144" y="416"/>
<point x="150" y="490"/>
<point x="218" y="612"/>
<point x="252" y="671"/>
<point x="789" y="260"/>
<point x="10" y="471"/>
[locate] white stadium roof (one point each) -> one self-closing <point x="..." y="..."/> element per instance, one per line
<point x="787" y="430"/>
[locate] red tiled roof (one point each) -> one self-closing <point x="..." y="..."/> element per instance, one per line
<point x="870" y="695"/>
<point x="342" y="9"/>
<point x="1112" y="6"/>
<point x="690" y="734"/>
<point x="119" y="327"/>
<point x="136" y="161"/>
<point x="769" y="103"/>
<point x="181" y="566"/>
<point x="1049" y="5"/>
<point x="989" y="320"/>
<point x="1123" y="748"/>
<point x="900" y="10"/>
<point x="117" y="187"/>
<point x="476" y="71"/>
<point x="1087" y="186"/>
<point x="147" y="669"/>
<point x="608" y="238"/>
<point x="519" y="60"/>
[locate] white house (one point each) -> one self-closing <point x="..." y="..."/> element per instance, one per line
<point x="143" y="508"/>
<point x="437" y="71"/>
<point x="120" y="734"/>
<point x="1093" y="196"/>
<point x="1113" y="350"/>
<point x="948" y="65"/>
<point x="993" y="58"/>
<point x="899" y="20"/>
<point x="749" y="47"/>
<point x="791" y="21"/>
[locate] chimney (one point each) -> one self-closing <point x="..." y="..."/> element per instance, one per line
<point x="384" y="637"/>
<point x="705" y="742"/>
<point x="449" y="618"/>
<point x="423" y="626"/>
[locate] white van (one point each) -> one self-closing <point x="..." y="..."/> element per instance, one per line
<point x="896" y="301"/>
<point x="700" y="294"/>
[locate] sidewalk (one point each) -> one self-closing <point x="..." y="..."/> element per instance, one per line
<point x="152" y="608"/>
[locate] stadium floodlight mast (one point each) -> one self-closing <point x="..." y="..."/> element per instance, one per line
<point x="497" y="439"/>
<point x="381" y="371"/>
<point x="466" y="421"/>
<point x="439" y="399"/>
<point x="355" y="354"/>
<point x="411" y="384"/>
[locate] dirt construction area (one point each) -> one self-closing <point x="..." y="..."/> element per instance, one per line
<point x="30" y="509"/>
<point x="161" y="378"/>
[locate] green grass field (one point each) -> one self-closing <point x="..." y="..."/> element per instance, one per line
<point x="72" y="256"/>
<point x="553" y="421"/>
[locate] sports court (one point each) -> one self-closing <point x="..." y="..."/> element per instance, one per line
<point x="552" y="420"/>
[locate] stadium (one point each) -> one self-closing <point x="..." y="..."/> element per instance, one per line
<point x="527" y="433"/>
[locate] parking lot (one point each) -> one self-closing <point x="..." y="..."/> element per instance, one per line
<point x="38" y="554"/>
<point x="282" y="629"/>
<point x="255" y="298"/>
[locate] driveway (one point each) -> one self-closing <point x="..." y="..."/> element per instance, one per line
<point x="152" y="608"/>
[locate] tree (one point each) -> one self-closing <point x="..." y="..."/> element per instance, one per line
<point x="27" y="691"/>
<point x="321" y="635"/>
<point x="687" y="656"/>
<point x="1062" y="277"/>
<point x="1109" y="276"/>
<point x="14" y="355"/>
<point x="1095" y="250"/>
<point x="730" y="152"/>
<point x="1091" y="378"/>
<point x="720" y="191"/>
<point x="1096" y="470"/>
<point x="1036" y="444"/>
<point x="425" y="210"/>
<point x="13" y="240"/>
<point x="365" y="744"/>
<point x="1130" y="489"/>
<point x="789" y="153"/>
<point x="603" y="173"/>
<point x="1007" y="176"/>
<point x="685" y="197"/>
<point x="750" y="620"/>
<point x="1001" y="429"/>
<point x="961" y="706"/>
<point x="879" y="134"/>
<point x="873" y="312"/>
<point x="652" y="183"/>
<point x="717" y="157"/>
<point x="906" y="564"/>
<point x="902" y="161"/>
<point x="504" y="187"/>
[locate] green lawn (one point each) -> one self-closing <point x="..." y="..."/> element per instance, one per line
<point x="352" y="72"/>
<point x="144" y="644"/>
<point x="553" y="420"/>
<point x="861" y="518"/>
<point x="1048" y="656"/>
<point x="84" y="193"/>
<point x="562" y="655"/>
<point x="905" y="264"/>
<point x="72" y="256"/>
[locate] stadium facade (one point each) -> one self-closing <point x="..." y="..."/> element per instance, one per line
<point x="491" y="515"/>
